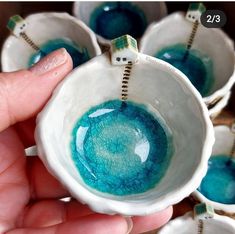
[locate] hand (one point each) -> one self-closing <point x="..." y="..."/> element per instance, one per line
<point x="29" y="195"/>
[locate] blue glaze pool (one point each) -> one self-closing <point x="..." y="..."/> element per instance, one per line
<point x="114" y="19"/>
<point x="219" y="183"/>
<point x="79" y="56"/>
<point x="120" y="148"/>
<point x="197" y="67"/>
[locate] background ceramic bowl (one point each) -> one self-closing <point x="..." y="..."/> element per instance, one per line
<point x="42" y="27"/>
<point x="154" y="83"/>
<point x="224" y="140"/>
<point x="219" y="106"/>
<point x="186" y="224"/>
<point x="175" y="29"/>
<point x="153" y="11"/>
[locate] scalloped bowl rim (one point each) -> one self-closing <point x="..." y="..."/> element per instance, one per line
<point x="102" y="40"/>
<point x="108" y="206"/>
<point x="215" y="110"/>
<point x="229" y="208"/>
<point x="63" y="15"/>
<point x="228" y="85"/>
<point x="188" y="215"/>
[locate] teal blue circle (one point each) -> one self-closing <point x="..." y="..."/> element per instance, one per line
<point x="120" y="148"/>
<point x="114" y="19"/>
<point x="219" y="183"/>
<point x="196" y="66"/>
<point x="79" y="57"/>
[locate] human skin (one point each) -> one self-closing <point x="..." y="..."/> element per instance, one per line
<point x="29" y="195"/>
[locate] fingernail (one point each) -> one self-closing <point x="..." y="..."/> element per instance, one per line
<point x="129" y="224"/>
<point x="50" y="62"/>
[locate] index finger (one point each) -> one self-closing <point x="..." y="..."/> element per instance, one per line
<point x="24" y="93"/>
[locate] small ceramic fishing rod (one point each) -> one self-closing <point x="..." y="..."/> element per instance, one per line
<point x="193" y="15"/>
<point x="17" y="25"/>
<point x="124" y="51"/>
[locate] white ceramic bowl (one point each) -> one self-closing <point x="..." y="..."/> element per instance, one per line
<point x="164" y="90"/>
<point x="186" y="224"/>
<point x="153" y="11"/>
<point x="224" y="140"/>
<point x="219" y="106"/>
<point x="41" y="28"/>
<point x="175" y="29"/>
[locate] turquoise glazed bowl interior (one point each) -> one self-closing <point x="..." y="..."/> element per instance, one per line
<point x="78" y="54"/>
<point x="198" y="67"/>
<point x="49" y="31"/>
<point x="113" y="19"/>
<point x="132" y="157"/>
<point x="209" y="65"/>
<point x="219" y="183"/>
<point x="218" y="186"/>
<point x="121" y="148"/>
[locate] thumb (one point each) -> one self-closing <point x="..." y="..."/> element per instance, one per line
<point x="23" y="93"/>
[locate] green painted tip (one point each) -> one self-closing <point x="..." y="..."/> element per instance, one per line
<point x="203" y="211"/>
<point x="17" y="25"/>
<point x="197" y="7"/>
<point x="13" y="21"/>
<point x="125" y="41"/>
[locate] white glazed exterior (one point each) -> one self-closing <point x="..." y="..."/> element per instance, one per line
<point x="186" y="224"/>
<point x="41" y="28"/>
<point x="224" y="139"/>
<point x="152" y="81"/>
<point x="219" y="106"/>
<point x="154" y="11"/>
<point x="175" y="29"/>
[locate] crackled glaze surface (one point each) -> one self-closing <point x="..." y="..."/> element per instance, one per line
<point x="43" y="28"/>
<point x="114" y="19"/>
<point x="165" y="92"/>
<point x="217" y="188"/>
<point x="131" y="17"/>
<point x="219" y="183"/>
<point x="78" y="56"/>
<point x="197" y="66"/>
<point x="176" y="29"/>
<point x="120" y="148"/>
